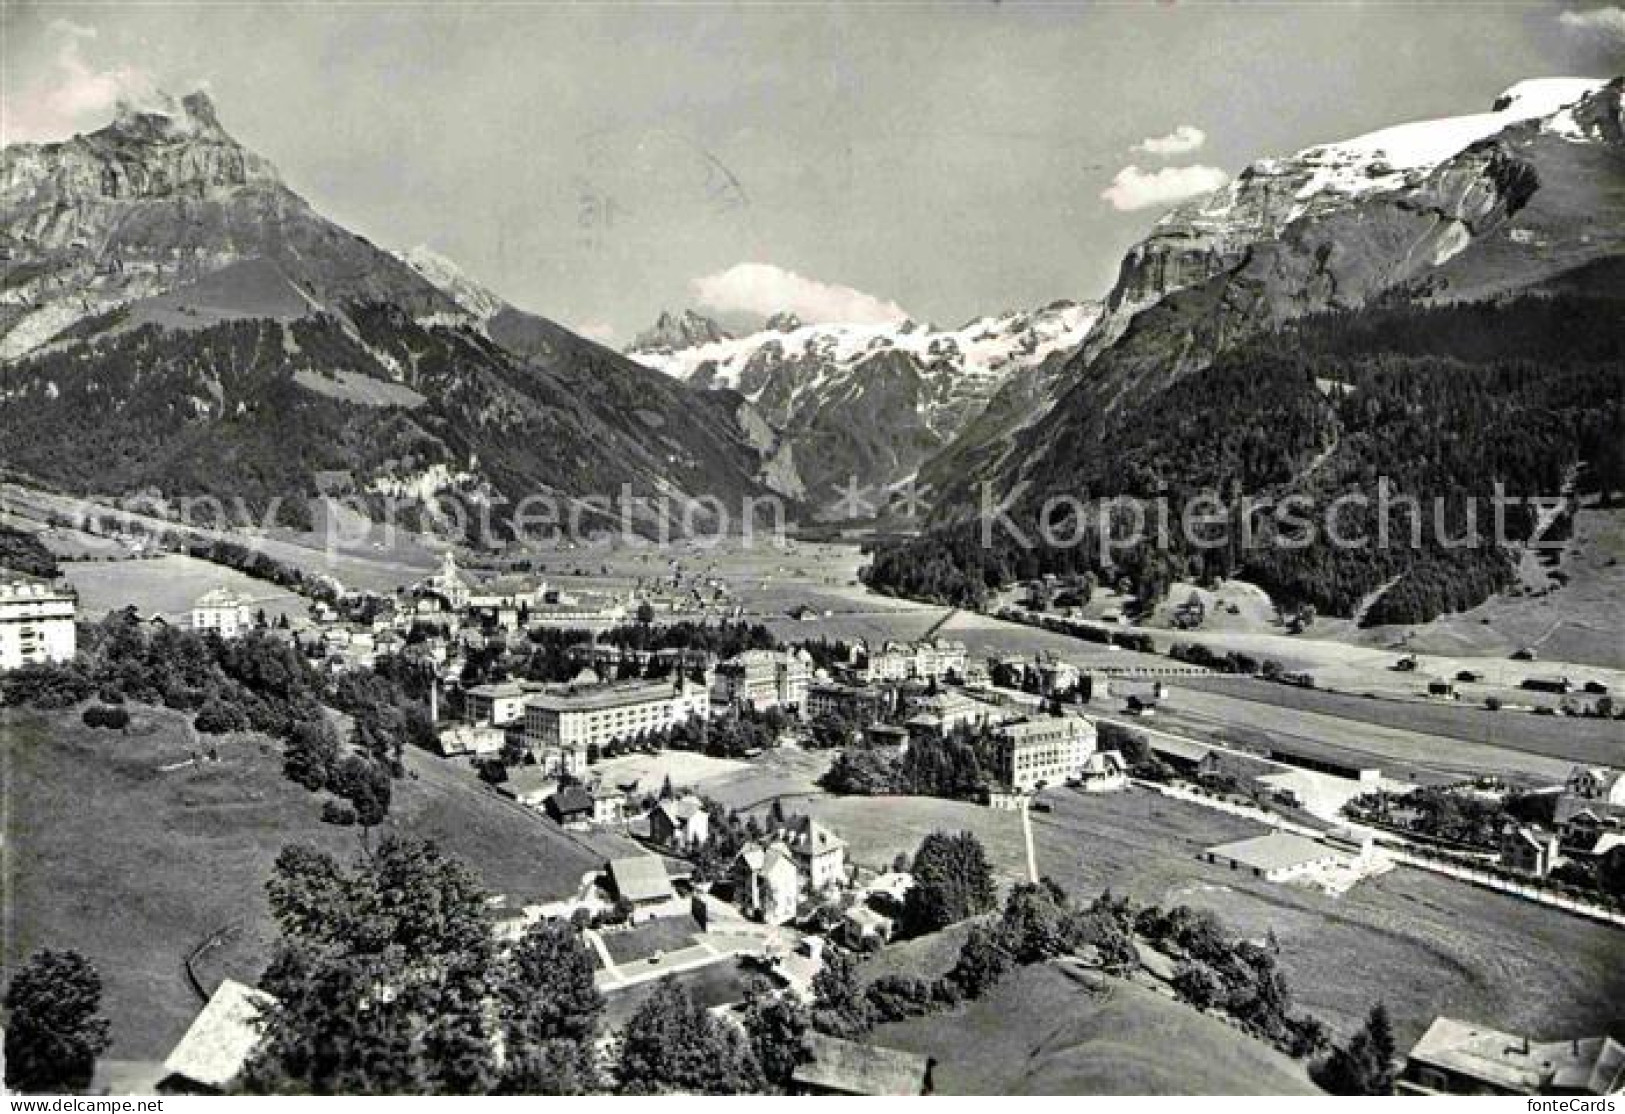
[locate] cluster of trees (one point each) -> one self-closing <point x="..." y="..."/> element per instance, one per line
<point x="22" y="551"/>
<point x="1218" y="971"/>
<point x="954" y="766"/>
<point x="389" y="981"/>
<point x="1436" y="812"/>
<point x="1442" y="401"/>
<point x="54" y="1027"/>
<point x="252" y="683"/>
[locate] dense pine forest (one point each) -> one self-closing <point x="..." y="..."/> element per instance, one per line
<point x="1439" y="403"/>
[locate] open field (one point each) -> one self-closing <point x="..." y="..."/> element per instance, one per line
<point x="1403" y="754"/>
<point x="1053" y="1029"/>
<point x="1569" y="738"/>
<point x="683" y="767"/>
<point x="168" y="585"/>
<point x="1488" y="956"/>
<point x="877" y="828"/>
<point x="786" y="771"/>
<point x="136" y="867"/>
<point x="663" y="934"/>
<point x="714" y="984"/>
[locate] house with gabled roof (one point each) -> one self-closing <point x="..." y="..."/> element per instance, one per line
<point x="767" y="883"/>
<point x="819" y="853"/>
<point x="217" y="1045"/>
<point x="843" y="1067"/>
<point x="680" y="823"/>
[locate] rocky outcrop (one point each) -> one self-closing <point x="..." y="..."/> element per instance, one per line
<point x="1447" y="208"/>
<point x="835" y="390"/>
<point x="672" y="332"/>
<point x="169" y="297"/>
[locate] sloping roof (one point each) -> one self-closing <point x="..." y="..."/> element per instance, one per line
<point x="810" y="837"/>
<point x="640" y="878"/>
<point x="1589" y="1065"/>
<point x="572" y="798"/>
<point x="861" y="1069"/>
<point x="1179" y="748"/>
<point x="1275" y="851"/>
<point x="221" y="1037"/>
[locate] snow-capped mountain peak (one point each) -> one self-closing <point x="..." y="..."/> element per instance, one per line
<point x="824" y="384"/>
<point x="438" y="271"/>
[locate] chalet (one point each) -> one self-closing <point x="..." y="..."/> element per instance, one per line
<point x="571" y="806"/>
<point x="1530" y="851"/>
<point x="1461" y="1058"/>
<point x="1103" y="772"/>
<point x="640" y="879"/>
<point x="212" y="1054"/>
<point x="529" y="785"/>
<point x="843" y="1067"/>
<point x="222" y="611"/>
<point x="680" y="823"/>
<point x="1442" y="688"/>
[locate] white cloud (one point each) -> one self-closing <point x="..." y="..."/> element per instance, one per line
<point x="1181" y="141"/>
<point x="764" y="289"/>
<point x="1605" y="23"/>
<point x="74" y="95"/>
<point x="597" y="329"/>
<point x="1134" y="188"/>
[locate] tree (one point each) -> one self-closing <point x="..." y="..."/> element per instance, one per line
<point x="840" y="1007"/>
<point x="778" y="1029"/>
<point x="312" y="754"/>
<point x="673" y="1044"/>
<point x="383" y="975"/>
<point x="1363" y="1066"/>
<point x="1036" y="923"/>
<point x="550" y="1009"/>
<point x="983" y="960"/>
<point x="952" y="880"/>
<point x="365" y="784"/>
<point x="54" y="1031"/>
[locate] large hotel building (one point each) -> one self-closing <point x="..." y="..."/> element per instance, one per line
<point x="572" y="719"/>
<point x="36" y="623"/>
<point x="1049" y="749"/>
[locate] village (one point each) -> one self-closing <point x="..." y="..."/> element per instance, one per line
<point x="618" y="740"/>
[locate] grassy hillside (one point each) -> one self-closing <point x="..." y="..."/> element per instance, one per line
<point x="137" y="866"/>
<point x="1055" y="1030"/>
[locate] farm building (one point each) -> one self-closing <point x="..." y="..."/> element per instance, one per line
<point x="842" y="1067"/>
<point x="641" y="879"/>
<point x="218" y="1043"/>
<point x="1461" y="1058"/>
<point x="1277" y="857"/>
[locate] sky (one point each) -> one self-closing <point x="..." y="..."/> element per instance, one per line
<point x="597" y="163"/>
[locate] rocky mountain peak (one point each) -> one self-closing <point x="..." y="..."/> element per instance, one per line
<point x="674" y="332"/>
<point x="782" y="322"/>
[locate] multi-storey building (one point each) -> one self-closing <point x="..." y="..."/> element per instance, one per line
<point x="577" y="717"/>
<point x="859" y="705"/>
<point x="925" y="661"/>
<point x="1047" y="749"/>
<point x="497" y="704"/>
<point x="765" y="679"/>
<point x="222" y="611"/>
<point x="36" y="623"/>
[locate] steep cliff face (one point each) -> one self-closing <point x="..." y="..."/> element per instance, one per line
<point x="1462" y="207"/>
<point x="169" y="299"/>
<point x="872" y="402"/>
